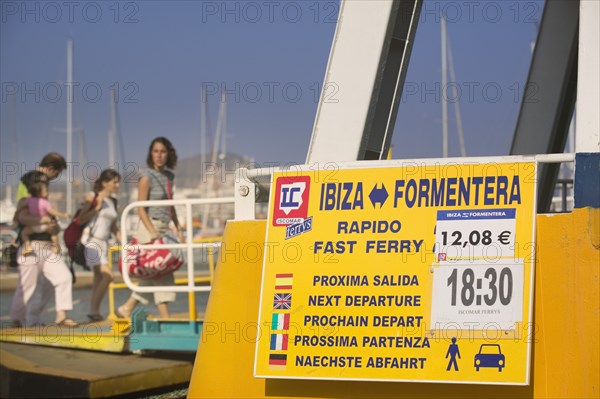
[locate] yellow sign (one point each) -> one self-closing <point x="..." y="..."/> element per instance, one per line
<point x="411" y="273"/>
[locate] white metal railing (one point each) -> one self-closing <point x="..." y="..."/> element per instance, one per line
<point x="247" y="180"/>
<point x="188" y="245"/>
<point x="331" y="166"/>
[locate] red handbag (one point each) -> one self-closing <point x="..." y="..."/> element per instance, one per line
<point x="148" y="264"/>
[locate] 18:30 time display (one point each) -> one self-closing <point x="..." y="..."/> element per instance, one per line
<point x="499" y="287"/>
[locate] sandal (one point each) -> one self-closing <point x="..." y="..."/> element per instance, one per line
<point x="121" y="314"/>
<point x="67" y="323"/>
<point x="95" y="317"/>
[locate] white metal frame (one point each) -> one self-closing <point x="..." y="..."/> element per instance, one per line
<point x="245" y="191"/>
<point x="588" y="82"/>
<point x="338" y="130"/>
<point x="188" y="245"/>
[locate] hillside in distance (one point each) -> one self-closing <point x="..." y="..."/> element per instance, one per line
<point x="191" y="173"/>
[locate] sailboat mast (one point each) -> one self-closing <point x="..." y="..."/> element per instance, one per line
<point x="443" y="92"/>
<point x="69" y="126"/>
<point x="457" y="114"/>
<point x="213" y="159"/>
<point x="224" y="133"/>
<point x="113" y="130"/>
<point x="223" y="157"/>
<point x="15" y="135"/>
<point x="219" y="130"/>
<point x="82" y="161"/>
<point x="214" y="156"/>
<point x="119" y="145"/>
<point x="203" y="127"/>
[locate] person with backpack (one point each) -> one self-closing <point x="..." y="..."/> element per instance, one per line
<point x="100" y="216"/>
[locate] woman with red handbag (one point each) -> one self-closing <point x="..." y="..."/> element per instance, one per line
<point x="155" y="183"/>
<point x="100" y="216"/>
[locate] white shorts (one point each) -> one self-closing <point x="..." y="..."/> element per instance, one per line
<point x="96" y="252"/>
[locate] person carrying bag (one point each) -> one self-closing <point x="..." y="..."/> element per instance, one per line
<point x="154" y="263"/>
<point x="100" y="218"/>
<point x="155" y="184"/>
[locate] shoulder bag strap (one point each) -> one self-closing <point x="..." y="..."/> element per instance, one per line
<point x="167" y="192"/>
<point x="93" y="222"/>
<point x="171" y="208"/>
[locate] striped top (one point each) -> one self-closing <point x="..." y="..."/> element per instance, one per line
<point x="158" y="191"/>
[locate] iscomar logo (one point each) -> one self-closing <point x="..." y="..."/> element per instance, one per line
<point x="291" y="200"/>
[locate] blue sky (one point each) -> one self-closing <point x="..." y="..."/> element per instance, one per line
<point x="270" y="56"/>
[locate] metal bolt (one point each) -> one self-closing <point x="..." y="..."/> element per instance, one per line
<point x="244" y="191"/>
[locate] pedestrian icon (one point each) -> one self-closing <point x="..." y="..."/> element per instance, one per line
<point x="453" y="352"/>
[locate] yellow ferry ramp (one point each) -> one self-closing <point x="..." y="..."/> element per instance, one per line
<point x="565" y="329"/>
<point x="42" y="372"/>
<point x="104" y="336"/>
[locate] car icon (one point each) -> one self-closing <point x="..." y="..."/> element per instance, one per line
<point x="490" y="355"/>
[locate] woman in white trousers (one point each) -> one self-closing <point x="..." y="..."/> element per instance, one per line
<point x="42" y="263"/>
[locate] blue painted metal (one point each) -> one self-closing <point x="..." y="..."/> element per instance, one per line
<point x="587" y="180"/>
<point x="170" y="335"/>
